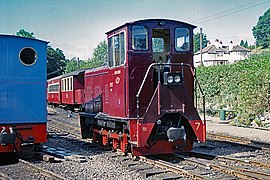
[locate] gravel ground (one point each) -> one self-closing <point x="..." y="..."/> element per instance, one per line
<point x="102" y="164"/>
<point x="99" y="163"/>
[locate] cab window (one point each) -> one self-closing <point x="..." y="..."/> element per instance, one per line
<point x="116" y="50"/>
<point x="182" y="42"/>
<point x="139" y="38"/>
<point x="158" y="45"/>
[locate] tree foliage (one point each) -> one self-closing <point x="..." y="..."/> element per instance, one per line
<point x="244" y="43"/>
<point x="25" y="33"/>
<point x="243" y="87"/>
<point x="196" y="40"/>
<point x="261" y="31"/>
<point x="99" y="58"/>
<point x="56" y="62"/>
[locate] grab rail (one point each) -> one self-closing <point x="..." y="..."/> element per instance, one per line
<point x="169" y="64"/>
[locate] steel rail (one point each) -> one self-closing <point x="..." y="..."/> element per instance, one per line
<point x="44" y="171"/>
<point x="77" y="129"/>
<point x="224" y="158"/>
<point x="61" y="130"/>
<point x="236" y="171"/>
<point x="170" y="166"/>
<point x="241" y="141"/>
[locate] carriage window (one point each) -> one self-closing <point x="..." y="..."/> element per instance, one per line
<point x="139" y="38"/>
<point x="182" y="39"/>
<point x="71" y="83"/>
<point x="28" y="56"/>
<point x="53" y="88"/>
<point x="116" y="48"/>
<point x="158" y="44"/>
<point x="68" y="84"/>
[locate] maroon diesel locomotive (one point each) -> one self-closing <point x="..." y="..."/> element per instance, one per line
<point x="143" y="101"/>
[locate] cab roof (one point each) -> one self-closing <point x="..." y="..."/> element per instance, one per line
<point x="149" y="21"/>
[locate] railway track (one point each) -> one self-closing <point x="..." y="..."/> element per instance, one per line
<point x="242" y="141"/>
<point x="195" y="165"/>
<point x="26" y="170"/>
<point x="240" y="168"/>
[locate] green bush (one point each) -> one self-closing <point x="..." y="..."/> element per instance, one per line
<point x="243" y="87"/>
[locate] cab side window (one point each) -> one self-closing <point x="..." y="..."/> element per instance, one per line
<point x="116" y="50"/>
<point x="139" y="38"/>
<point x="182" y="39"/>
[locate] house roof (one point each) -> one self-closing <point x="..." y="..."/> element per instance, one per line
<point x="212" y="49"/>
<point x="209" y="49"/>
<point x="238" y="48"/>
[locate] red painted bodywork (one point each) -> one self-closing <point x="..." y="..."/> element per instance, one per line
<point x="54" y="97"/>
<point x="26" y="131"/>
<point x="74" y="97"/>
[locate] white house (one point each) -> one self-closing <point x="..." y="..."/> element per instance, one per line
<point x="217" y="53"/>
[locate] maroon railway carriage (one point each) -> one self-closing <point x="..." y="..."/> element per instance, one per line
<point x="72" y="89"/>
<point x="54" y="91"/>
<point x="143" y="100"/>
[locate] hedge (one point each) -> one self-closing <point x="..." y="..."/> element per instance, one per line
<point x="243" y="87"/>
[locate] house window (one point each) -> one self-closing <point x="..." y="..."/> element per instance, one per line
<point x="117" y="50"/>
<point x="219" y="54"/>
<point x="139" y="38"/>
<point x="182" y="39"/>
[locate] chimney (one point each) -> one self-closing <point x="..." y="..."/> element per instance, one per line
<point x="216" y="43"/>
<point x="231" y="45"/>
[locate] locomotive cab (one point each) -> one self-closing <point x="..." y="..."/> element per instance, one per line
<point x="143" y="100"/>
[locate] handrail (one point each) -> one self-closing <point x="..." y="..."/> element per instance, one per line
<point x="168" y="64"/>
<point x="203" y="96"/>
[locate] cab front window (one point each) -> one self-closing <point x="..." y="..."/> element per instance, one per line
<point x="182" y="39"/>
<point x="139" y="38"/>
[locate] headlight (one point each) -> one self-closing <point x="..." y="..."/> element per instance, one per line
<point x="177" y="79"/>
<point x="170" y="79"/>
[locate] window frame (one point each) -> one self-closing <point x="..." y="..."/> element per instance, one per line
<point x="112" y="54"/>
<point x="36" y="56"/>
<point x="147" y="38"/>
<point x="51" y="88"/>
<point x="189" y="40"/>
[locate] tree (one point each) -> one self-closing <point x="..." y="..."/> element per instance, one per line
<point x="25" y="33"/>
<point x="56" y="62"/>
<point x="196" y="40"/>
<point x="100" y="53"/>
<point x="246" y="44"/>
<point x="261" y="31"/>
<point x="242" y="43"/>
<point x="99" y="58"/>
